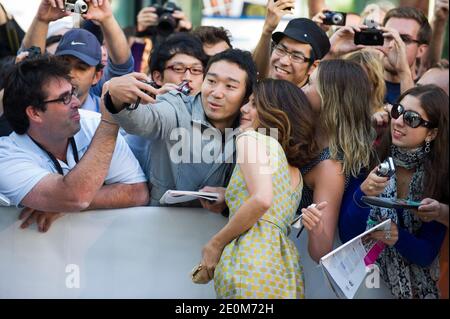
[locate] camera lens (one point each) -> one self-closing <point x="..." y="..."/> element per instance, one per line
<point x="338" y="18"/>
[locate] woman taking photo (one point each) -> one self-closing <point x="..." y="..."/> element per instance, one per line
<point x="418" y="144"/>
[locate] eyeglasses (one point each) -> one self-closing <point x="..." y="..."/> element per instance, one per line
<point x="407" y="40"/>
<point x="411" y="118"/>
<point x="66" y="98"/>
<point x="181" y="68"/>
<point x="281" y="51"/>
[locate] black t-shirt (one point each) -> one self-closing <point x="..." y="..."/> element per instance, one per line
<point x="5" y="128"/>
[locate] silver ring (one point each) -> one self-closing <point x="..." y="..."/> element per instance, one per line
<point x="387" y="235"/>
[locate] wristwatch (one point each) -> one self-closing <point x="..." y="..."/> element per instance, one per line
<point x="110" y="105"/>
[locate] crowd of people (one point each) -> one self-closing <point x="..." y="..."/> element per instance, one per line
<point x="111" y="119"/>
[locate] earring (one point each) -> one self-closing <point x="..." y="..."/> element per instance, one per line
<point x="427" y="146"/>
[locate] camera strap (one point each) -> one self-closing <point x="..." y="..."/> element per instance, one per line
<point x="54" y="159"/>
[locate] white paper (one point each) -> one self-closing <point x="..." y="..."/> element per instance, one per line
<point x="346" y="264"/>
<point x="174" y="196"/>
<point x="4" y="201"/>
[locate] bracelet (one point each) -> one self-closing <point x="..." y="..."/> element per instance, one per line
<point x="110" y="122"/>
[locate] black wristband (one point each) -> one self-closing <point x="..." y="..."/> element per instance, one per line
<point x="110" y="105"/>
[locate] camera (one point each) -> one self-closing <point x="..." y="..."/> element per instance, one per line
<point x="76" y="6"/>
<point x="371" y="23"/>
<point x="166" y="22"/>
<point x="184" y="88"/>
<point x="335" y="18"/>
<point x="370" y="36"/>
<point x="387" y="168"/>
<point x="153" y="84"/>
<point x="138" y="100"/>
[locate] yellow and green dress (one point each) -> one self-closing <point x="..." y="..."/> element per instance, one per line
<point x="263" y="262"/>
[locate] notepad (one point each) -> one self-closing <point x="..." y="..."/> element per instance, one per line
<point x="175" y="196"/>
<point x="346" y="267"/>
<point x="4" y="201"/>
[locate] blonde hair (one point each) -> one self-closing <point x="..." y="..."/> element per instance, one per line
<point x="381" y="7"/>
<point x="370" y="60"/>
<point x="345" y="91"/>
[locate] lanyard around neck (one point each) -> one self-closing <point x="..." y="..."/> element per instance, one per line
<point x="54" y="159"/>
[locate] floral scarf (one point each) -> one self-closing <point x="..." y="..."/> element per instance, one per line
<point x="406" y="280"/>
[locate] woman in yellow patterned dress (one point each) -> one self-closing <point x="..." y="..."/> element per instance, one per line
<point x="252" y="256"/>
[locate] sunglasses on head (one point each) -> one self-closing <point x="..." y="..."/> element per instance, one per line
<point x="411" y="118"/>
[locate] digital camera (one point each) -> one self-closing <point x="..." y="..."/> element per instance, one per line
<point x="138" y="100"/>
<point x="370" y="36"/>
<point x="335" y="18"/>
<point x="76" y="6"/>
<point x="184" y="88"/>
<point x="387" y="168"/>
<point x="166" y="22"/>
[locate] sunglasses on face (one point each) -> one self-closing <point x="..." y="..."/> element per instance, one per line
<point x="411" y="118"/>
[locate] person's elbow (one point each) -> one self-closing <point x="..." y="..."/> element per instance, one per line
<point x="263" y="201"/>
<point x="140" y="195"/>
<point x="76" y="204"/>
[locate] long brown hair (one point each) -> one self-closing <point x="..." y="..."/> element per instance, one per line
<point x="345" y="113"/>
<point x="284" y="106"/>
<point x="434" y="102"/>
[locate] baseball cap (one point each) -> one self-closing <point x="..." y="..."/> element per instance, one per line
<point x="81" y="44"/>
<point x="306" y="31"/>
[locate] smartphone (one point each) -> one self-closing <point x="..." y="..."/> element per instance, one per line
<point x="390" y="202"/>
<point x="369" y="37"/>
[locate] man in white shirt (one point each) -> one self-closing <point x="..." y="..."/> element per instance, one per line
<point x="61" y="159"/>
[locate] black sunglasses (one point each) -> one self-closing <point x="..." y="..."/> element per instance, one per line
<point x="411" y="118"/>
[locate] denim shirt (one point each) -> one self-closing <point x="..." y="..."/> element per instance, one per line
<point x="204" y="161"/>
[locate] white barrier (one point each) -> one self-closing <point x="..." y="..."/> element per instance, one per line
<point x="143" y="252"/>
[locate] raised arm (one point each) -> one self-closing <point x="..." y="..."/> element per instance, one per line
<point x="48" y="11"/>
<point x="115" y="39"/>
<point x="438" y="25"/>
<point x="259" y="186"/>
<point x="315" y="6"/>
<point x="275" y="11"/>
<point x="396" y="55"/>
<point x="153" y="122"/>
<point x="75" y="191"/>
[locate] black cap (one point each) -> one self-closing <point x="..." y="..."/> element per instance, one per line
<point x="306" y="31"/>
